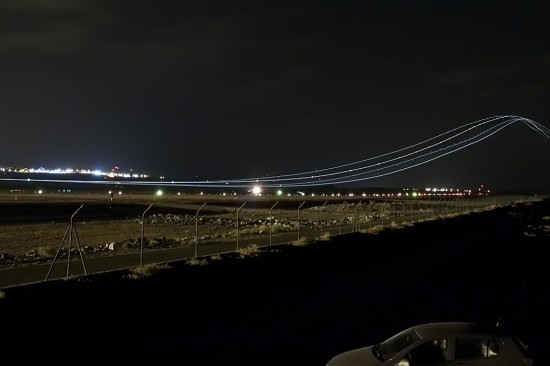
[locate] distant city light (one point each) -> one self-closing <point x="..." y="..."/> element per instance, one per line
<point x="115" y="173"/>
<point x="256" y="189"/>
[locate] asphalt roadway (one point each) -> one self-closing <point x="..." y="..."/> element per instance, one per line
<point x="76" y="266"/>
<point x="294" y="305"/>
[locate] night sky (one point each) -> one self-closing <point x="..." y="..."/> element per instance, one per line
<point x="236" y="89"/>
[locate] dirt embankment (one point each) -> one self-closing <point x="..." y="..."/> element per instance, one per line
<point x="35" y="229"/>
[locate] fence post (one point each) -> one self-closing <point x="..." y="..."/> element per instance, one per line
<point x="69" y="231"/>
<point x="270" y="222"/>
<point x="142" y="230"/>
<point x="197" y="229"/>
<point x="355" y="226"/>
<point x="319" y="219"/>
<point x="299" y="219"/>
<point x="355" y="219"/>
<point x="343" y="204"/>
<point x="238" y="224"/>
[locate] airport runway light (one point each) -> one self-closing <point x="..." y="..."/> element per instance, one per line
<point x="256" y="190"/>
<point x="159" y="192"/>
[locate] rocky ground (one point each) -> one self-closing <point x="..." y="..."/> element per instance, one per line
<point x="294" y="305"/>
<point x="32" y="234"/>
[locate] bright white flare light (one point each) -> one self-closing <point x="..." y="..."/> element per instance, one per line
<point x="256" y="190"/>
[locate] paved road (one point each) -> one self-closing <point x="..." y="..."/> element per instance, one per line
<point x="61" y="269"/>
<point x="35" y="273"/>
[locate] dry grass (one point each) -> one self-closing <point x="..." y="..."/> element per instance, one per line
<point x="19" y="238"/>
<point x="197" y="262"/>
<point x="304" y="240"/>
<point x="46" y="252"/>
<point x="375" y="229"/>
<point x="398" y="227"/>
<point x="146" y="270"/>
<point x="260" y="229"/>
<point x="250" y="251"/>
<point x="92" y="233"/>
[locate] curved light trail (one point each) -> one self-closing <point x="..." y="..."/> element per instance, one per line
<point x="370" y="168"/>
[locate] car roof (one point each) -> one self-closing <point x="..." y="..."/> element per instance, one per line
<point x="444" y="329"/>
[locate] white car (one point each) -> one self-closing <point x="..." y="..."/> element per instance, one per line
<point x="448" y="343"/>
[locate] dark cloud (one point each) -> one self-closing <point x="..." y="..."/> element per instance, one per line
<point x="214" y="87"/>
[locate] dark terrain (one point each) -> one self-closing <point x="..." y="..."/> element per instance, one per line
<point x="294" y="305"/>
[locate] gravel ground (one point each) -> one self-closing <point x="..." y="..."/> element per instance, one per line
<point x="32" y="231"/>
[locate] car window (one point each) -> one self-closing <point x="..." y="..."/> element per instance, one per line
<point x="429" y="353"/>
<point x="468" y="348"/>
<point x="397" y="343"/>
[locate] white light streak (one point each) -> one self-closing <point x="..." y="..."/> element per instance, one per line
<point x="385" y="164"/>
